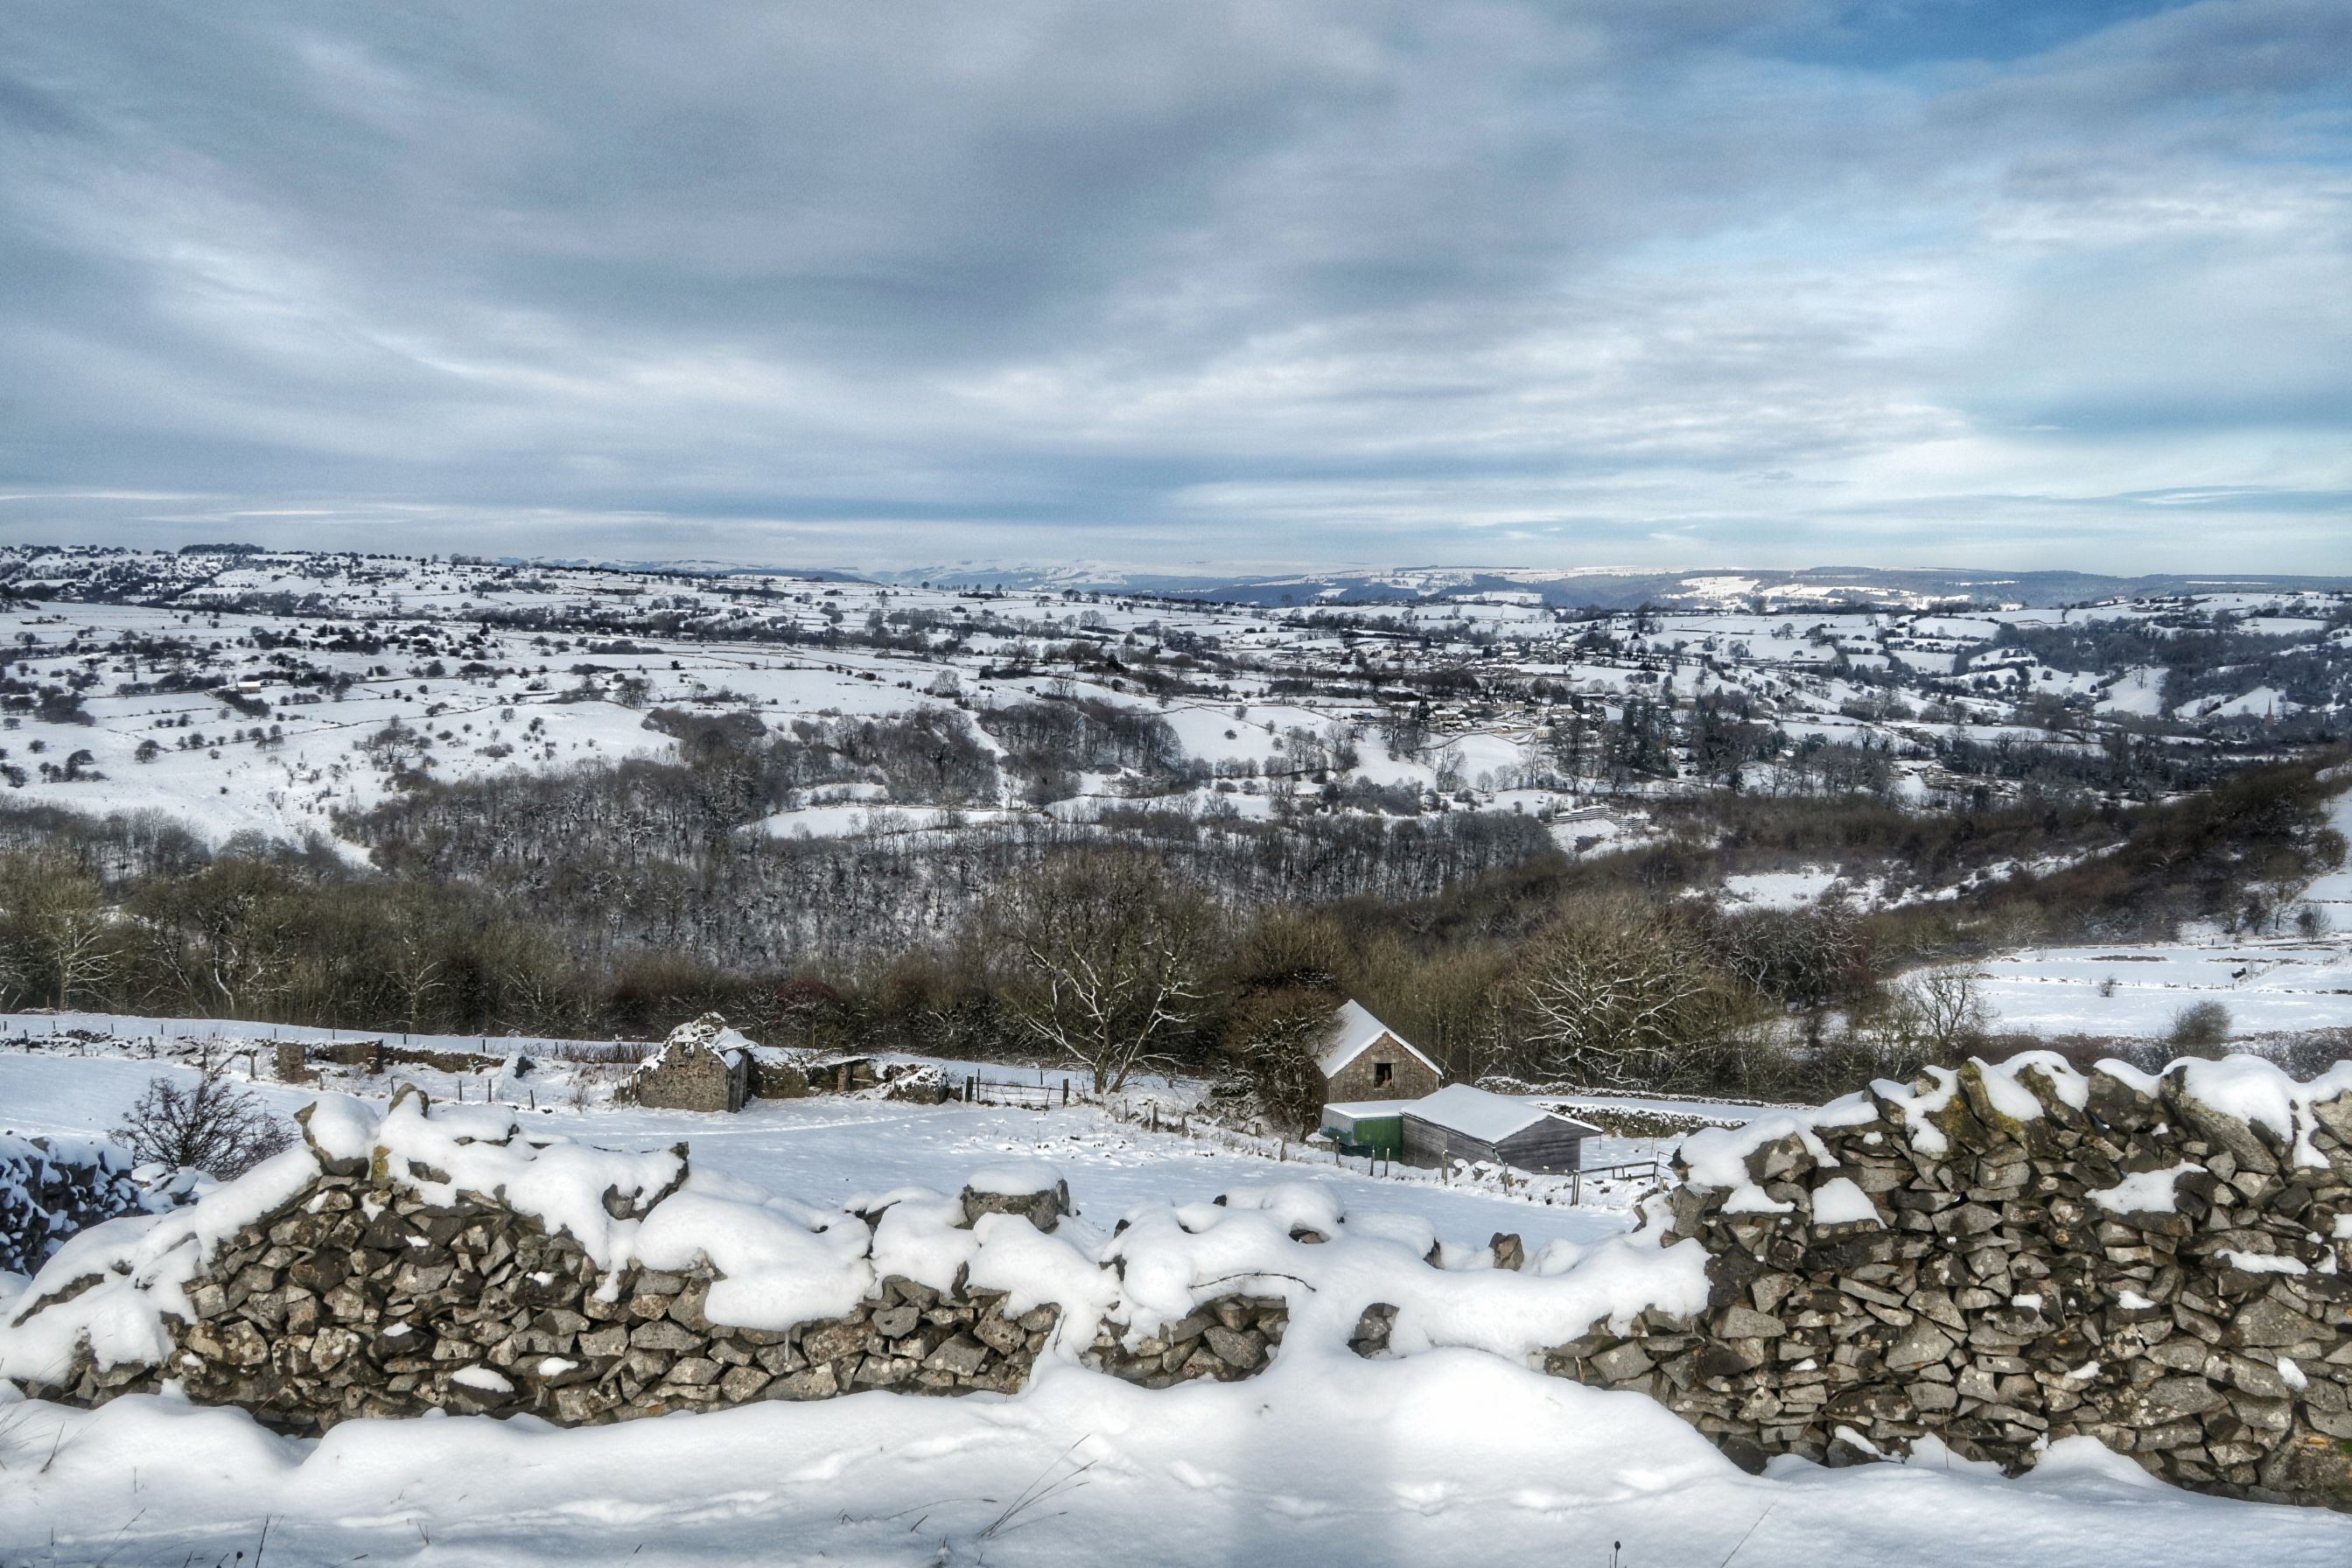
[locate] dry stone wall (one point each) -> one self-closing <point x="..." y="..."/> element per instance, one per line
<point x="355" y="1298"/>
<point x="51" y="1188"/>
<point x="1226" y="1339"/>
<point x="2001" y="1257"/>
<point x="1996" y="1258"/>
<point x="359" y="1299"/>
<point x="355" y="1301"/>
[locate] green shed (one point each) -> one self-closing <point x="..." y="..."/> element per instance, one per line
<point x="1367" y="1127"/>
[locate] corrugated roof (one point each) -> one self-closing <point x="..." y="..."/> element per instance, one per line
<point x="1487" y="1117"/>
<point x="1357" y="1030"/>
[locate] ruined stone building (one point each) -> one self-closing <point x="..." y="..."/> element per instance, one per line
<point x="703" y="1066"/>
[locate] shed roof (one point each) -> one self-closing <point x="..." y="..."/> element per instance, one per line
<point x="1358" y="1029"/>
<point x="1355" y="1110"/>
<point x="1487" y="1117"/>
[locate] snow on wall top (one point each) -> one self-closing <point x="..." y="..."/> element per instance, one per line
<point x="2244" y="1089"/>
<point x="1358" y="1029"/>
<point x="115" y="1288"/>
<point x="1254" y="1240"/>
<point x="784" y="1263"/>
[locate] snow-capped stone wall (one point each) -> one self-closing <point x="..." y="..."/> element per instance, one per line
<point x="702" y="1065"/>
<point x="2005" y="1256"/>
<point x="442" y="1260"/>
<point x="52" y="1188"/>
<point x="1998" y="1257"/>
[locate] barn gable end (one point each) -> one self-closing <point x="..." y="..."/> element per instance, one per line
<point x="1369" y="1060"/>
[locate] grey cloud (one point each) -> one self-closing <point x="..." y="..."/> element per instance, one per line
<point x="1378" y="278"/>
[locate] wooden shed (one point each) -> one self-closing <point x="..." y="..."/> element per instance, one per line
<point x="1367" y="1060"/>
<point x="1459" y="1122"/>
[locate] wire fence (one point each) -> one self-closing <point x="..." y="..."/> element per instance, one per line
<point x="979" y="1090"/>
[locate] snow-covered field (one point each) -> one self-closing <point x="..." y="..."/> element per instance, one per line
<point x="2269" y="986"/>
<point x="278" y="693"/>
<point x="826" y="1149"/>
<point x="1449" y="1457"/>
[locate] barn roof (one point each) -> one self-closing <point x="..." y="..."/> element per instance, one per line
<point x="1359" y="1029"/>
<point x="1489" y="1117"/>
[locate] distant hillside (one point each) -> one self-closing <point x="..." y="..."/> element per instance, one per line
<point x="1621" y="589"/>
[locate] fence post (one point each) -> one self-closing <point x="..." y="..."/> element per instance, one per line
<point x="1066" y="1091"/>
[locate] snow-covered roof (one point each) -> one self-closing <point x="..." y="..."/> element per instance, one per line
<point x="707" y="1033"/>
<point x="1359" y="1029"/>
<point x="1366" y="1110"/>
<point x="1348" y="1115"/>
<point x="1489" y="1117"/>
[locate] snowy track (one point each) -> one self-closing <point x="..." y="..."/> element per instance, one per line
<point x="1450" y="1457"/>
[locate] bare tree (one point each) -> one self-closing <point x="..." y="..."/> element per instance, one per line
<point x="1273" y="1038"/>
<point x="1942" y="1008"/>
<point x="212" y="1126"/>
<point x="65" y="934"/>
<point x="229" y="936"/>
<point x="414" y="964"/>
<point x="2199" y="1029"/>
<point x="1802" y="958"/>
<point x="1106" y="955"/>
<point x="1621" y="994"/>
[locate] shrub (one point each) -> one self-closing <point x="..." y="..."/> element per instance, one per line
<point x="213" y="1126"/>
<point x="2199" y="1029"/>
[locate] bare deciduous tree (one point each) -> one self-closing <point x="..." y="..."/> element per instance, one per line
<point x="210" y="1126"/>
<point x="1106" y="955"/>
<point x="1274" y="1038"/>
<point x="1802" y="958"/>
<point x="1619" y="995"/>
<point x="1944" y="1009"/>
<point x="2200" y="1029"/>
<point x="67" y="936"/>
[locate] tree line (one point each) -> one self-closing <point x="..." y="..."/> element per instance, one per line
<point x="1155" y="940"/>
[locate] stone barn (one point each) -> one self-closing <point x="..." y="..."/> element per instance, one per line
<point x="1367" y="1060"/>
<point x="703" y="1066"/>
<point x="1459" y="1122"/>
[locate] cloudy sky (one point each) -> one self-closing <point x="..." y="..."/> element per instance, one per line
<point x="1771" y="282"/>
